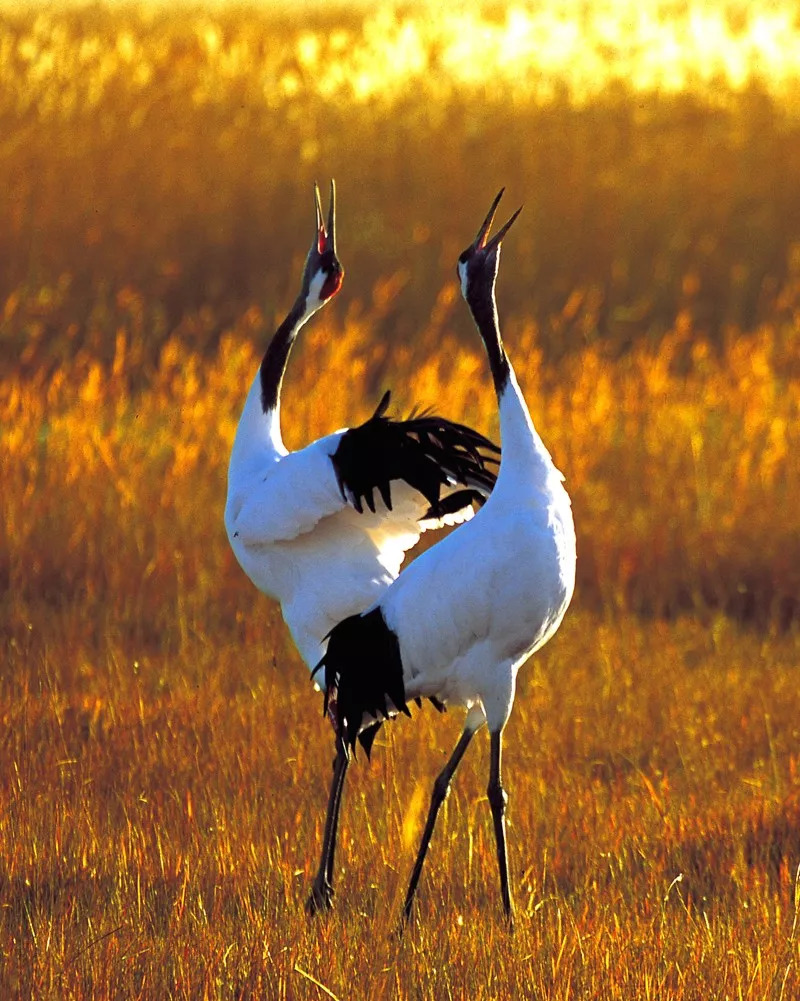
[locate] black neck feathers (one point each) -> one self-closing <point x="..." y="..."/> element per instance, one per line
<point x="273" y="364"/>
<point x="484" y="313"/>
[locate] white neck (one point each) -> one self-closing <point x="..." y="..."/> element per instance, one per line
<point x="259" y="431"/>
<point x="524" y="453"/>
<point x="258" y="435"/>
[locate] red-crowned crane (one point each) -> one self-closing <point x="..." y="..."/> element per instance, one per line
<point x="306" y="526"/>
<point x="460" y="621"/>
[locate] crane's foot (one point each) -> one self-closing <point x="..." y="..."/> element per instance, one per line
<point x="320" y="898"/>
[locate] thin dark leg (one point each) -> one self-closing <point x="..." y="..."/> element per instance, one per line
<point x="497" y="801"/>
<point x="322" y="888"/>
<point x="335" y="824"/>
<point x="441" y="787"/>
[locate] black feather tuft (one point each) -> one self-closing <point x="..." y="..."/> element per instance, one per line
<point x="454" y="502"/>
<point x="367" y="738"/>
<point x="427" y="452"/>
<point x="364" y="673"/>
<point x="383" y="406"/>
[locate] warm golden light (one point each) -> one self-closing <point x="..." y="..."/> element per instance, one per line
<point x="163" y="757"/>
<point x="543" y="49"/>
<point x="582" y="48"/>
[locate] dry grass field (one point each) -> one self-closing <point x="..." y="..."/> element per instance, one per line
<point x="163" y="758"/>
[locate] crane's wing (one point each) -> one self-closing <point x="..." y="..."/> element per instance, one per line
<point x="285" y="499"/>
<point x="442" y="468"/>
<point x="429" y="453"/>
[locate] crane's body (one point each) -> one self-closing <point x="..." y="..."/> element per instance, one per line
<point x="300" y="542"/>
<point x="473" y="608"/>
<point x="460" y="621"/>
<point x="306" y="526"/>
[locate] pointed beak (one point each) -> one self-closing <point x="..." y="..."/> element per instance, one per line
<point x="332" y="218"/>
<point x="325" y="236"/>
<point x="483" y="233"/>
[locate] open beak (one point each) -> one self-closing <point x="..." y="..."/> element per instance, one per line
<point x="483" y="233"/>
<point x="326" y="235"/>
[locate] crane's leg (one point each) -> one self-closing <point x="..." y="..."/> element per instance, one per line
<point x="441" y="787"/>
<point x="366" y="737"/>
<point x="334" y="832"/>
<point x="322" y="889"/>
<point x="497" y="801"/>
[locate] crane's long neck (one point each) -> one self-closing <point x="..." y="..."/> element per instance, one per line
<point x="524" y="451"/>
<point x="260" y="424"/>
<point x="484" y="312"/>
<point x="276" y="357"/>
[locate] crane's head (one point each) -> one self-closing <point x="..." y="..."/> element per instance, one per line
<point x="322" y="274"/>
<point x="477" y="265"/>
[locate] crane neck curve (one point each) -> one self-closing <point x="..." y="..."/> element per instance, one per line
<point x="276" y="357"/>
<point x="484" y="313"/>
<point x="524" y="452"/>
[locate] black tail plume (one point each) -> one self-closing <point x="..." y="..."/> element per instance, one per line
<point x="364" y="673"/>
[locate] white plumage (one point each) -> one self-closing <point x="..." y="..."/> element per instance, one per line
<point x="478" y="604"/>
<point x="302" y="543"/>
<point x="306" y="526"/>
<point x="296" y="520"/>
<point x="465" y="616"/>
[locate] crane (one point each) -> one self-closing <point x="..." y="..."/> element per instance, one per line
<point x="459" y="622"/>
<point x="306" y="526"/>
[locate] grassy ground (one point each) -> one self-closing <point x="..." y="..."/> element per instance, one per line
<point x="162" y="818"/>
<point x="163" y="759"/>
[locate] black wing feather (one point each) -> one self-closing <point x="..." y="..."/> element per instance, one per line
<point x="427" y="452"/>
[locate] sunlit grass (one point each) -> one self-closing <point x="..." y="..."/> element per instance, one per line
<point x="638" y="203"/>
<point x="534" y="50"/>
<point x="163" y="759"/>
<point x="161" y="819"/>
<point x="680" y="459"/>
<point x="166" y="759"/>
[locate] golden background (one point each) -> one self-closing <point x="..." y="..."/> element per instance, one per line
<point x="163" y="760"/>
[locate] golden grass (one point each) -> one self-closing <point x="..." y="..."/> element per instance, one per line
<point x="166" y="761"/>
<point x="161" y="819"/>
<point x="681" y="462"/>
<point x="638" y="203"/>
<point x="163" y="760"/>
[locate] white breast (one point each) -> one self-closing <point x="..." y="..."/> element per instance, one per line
<point x="486" y="597"/>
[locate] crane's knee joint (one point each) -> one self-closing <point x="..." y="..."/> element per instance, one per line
<point x="441" y="789"/>
<point x="498" y="797"/>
